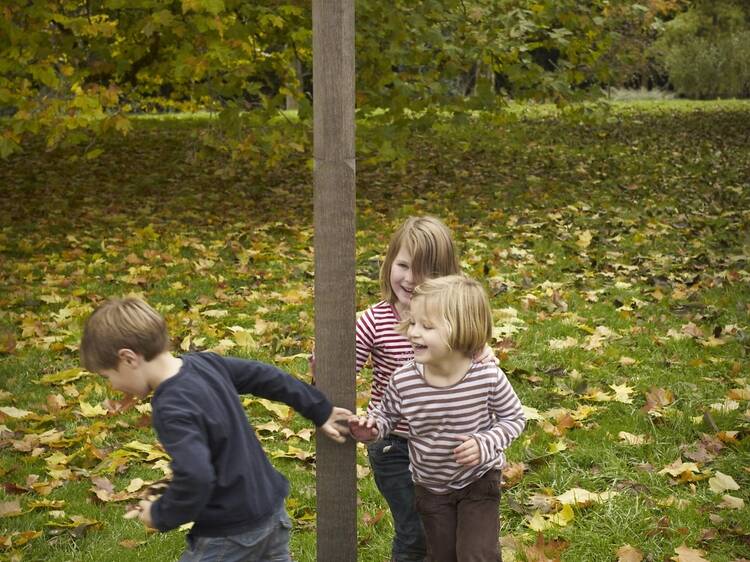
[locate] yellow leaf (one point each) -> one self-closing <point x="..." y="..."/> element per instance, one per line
<point x="57" y="459"/>
<point x="722" y="482"/>
<point x="223" y="346"/>
<point x="305" y="434"/>
<point x="215" y="313"/>
<point x="135" y="485"/>
<point x="584" y="239"/>
<point x="292" y="453"/>
<point x="281" y="411"/>
<point x="531" y="413"/>
<point x="271" y="426"/>
<point x="538" y="522"/>
<point x="685" y="471"/>
<point x="362" y="471"/>
<point x="557" y="446"/>
<point x="289" y="358"/>
<point x="622" y="393"/>
<point x="12" y="412"/>
<point x="563" y="343"/>
<point x="243" y="338"/>
<point x="151" y="451"/>
<point x="597" y="395"/>
<point x="63" y="377"/>
<point x="89" y="411"/>
<point x="632" y="439"/>
<point x="582" y="497"/>
<point x="584" y="411"/>
<point x="563" y="517"/>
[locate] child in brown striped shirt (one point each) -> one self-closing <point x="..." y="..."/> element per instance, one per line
<point x="462" y="415"/>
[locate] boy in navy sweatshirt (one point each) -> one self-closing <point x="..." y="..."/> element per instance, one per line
<point x="222" y="479"/>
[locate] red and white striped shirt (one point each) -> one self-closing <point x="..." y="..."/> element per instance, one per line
<point x="376" y="337"/>
<point x="482" y="405"/>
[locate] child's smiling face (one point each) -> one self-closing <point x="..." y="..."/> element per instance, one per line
<point x="428" y="334"/>
<point x="402" y="278"/>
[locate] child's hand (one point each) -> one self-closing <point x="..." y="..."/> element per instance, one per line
<point x="336" y="426"/>
<point x="145" y="516"/>
<point x="487" y="355"/>
<point x="467" y="453"/>
<point x="363" y="429"/>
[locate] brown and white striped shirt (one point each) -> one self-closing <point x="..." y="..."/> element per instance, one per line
<point x="482" y="405"/>
<point x="376" y="337"/>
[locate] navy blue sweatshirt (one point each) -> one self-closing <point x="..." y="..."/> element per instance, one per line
<point x="222" y="479"/>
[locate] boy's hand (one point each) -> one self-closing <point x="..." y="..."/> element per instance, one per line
<point x="487" y="355"/>
<point x="363" y="429"/>
<point x="145" y="516"/>
<point x="467" y="453"/>
<point x="335" y="427"/>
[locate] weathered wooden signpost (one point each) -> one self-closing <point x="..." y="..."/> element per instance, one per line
<point x="334" y="209"/>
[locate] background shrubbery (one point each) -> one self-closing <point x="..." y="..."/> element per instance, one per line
<point x="705" y="51"/>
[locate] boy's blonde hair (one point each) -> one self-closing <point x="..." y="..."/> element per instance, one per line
<point x="464" y="306"/>
<point x="118" y="324"/>
<point x="431" y="247"/>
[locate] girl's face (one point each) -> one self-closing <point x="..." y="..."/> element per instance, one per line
<point x="402" y="279"/>
<point x="428" y="334"/>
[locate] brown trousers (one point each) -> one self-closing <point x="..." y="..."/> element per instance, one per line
<point x="462" y="526"/>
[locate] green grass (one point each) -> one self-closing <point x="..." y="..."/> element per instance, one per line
<point x="635" y="219"/>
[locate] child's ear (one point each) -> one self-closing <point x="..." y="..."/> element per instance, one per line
<point x="128" y="356"/>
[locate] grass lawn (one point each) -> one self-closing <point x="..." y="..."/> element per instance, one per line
<point x="615" y="252"/>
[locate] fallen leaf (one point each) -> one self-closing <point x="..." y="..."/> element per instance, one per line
<point x="582" y="497"/>
<point x="13" y="412"/>
<point x="627" y="553"/>
<point x="685" y="554"/>
<point x="565" y="343"/>
<point x="10" y="509"/>
<point x="632" y="439"/>
<point x="721" y="482"/>
<point x="731" y="502"/>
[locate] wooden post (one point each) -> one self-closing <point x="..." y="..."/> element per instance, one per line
<point x="334" y="209"/>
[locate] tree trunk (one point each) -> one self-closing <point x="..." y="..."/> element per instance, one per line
<point x="334" y="209"/>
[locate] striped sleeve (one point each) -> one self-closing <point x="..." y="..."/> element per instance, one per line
<point x="388" y="412"/>
<point x="508" y="420"/>
<point x="365" y="337"/>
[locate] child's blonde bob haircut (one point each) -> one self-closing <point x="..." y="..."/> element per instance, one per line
<point x="429" y="243"/>
<point x="117" y="324"/>
<point x="462" y="303"/>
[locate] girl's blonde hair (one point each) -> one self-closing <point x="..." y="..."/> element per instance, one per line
<point x="118" y="324"/>
<point x="431" y="247"/>
<point x="462" y="303"/>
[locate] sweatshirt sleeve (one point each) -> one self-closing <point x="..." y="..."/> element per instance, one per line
<point x="267" y="381"/>
<point x="193" y="477"/>
<point x="508" y="423"/>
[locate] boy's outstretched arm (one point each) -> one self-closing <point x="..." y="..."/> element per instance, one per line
<point x="335" y="426"/>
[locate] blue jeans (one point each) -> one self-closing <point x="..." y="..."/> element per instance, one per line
<point x="268" y="542"/>
<point x="389" y="459"/>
